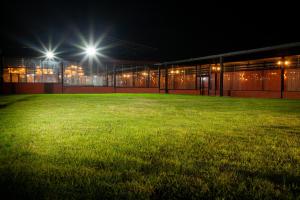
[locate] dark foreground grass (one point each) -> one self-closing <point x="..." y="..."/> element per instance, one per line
<point x="125" y="146"/>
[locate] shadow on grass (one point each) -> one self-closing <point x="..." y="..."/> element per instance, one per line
<point x="121" y="179"/>
<point x="23" y="99"/>
<point x="294" y="130"/>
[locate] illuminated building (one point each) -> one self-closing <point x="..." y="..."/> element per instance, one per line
<point x="271" y="72"/>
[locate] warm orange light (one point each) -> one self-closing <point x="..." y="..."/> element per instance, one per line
<point x="15" y="70"/>
<point x="74" y="70"/>
<point x="286" y="62"/>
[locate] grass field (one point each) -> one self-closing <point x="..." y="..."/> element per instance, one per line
<point x="128" y="146"/>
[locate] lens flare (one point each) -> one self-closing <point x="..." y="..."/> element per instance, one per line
<point x="49" y="55"/>
<point x="91" y="51"/>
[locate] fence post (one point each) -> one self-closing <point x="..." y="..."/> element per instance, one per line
<point x="221" y="76"/>
<point x="158" y="79"/>
<point x="62" y="77"/>
<point x="282" y="78"/>
<point x="166" y="79"/>
<point x="114" y="77"/>
<point x="1" y="72"/>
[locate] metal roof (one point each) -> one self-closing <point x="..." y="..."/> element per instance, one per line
<point x="235" y="53"/>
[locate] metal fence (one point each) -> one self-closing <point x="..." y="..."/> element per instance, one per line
<point x="269" y="75"/>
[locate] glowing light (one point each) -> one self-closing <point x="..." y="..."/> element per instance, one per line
<point x="91" y="51"/>
<point x="16" y="70"/>
<point x="91" y="48"/>
<point x="286" y="62"/>
<point x="49" y="55"/>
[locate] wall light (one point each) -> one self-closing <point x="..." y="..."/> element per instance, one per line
<point x="284" y="62"/>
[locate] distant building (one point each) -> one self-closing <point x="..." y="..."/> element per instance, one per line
<point x="270" y="72"/>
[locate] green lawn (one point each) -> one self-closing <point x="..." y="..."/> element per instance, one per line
<point x="128" y="146"/>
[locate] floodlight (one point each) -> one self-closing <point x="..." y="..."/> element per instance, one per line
<point x="49" y="55"/>
<point x="91" y="51"/>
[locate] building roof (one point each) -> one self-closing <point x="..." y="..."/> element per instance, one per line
<point x="278" y="50"/>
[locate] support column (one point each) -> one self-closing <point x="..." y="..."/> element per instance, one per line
<point x="216" y="82"/>
<point x="209" y="75"/>
<point x="114" y="78"/>
<point x="200" y="79"/>
<point x="263" y="78"/>
<point x="166" y="79"/>
<point x="62" y="77"/>
<point x="106" y="75"/>
<point x="134" y="72"/>
<point x="221" y="76"/>
<point x="196" y="77"/>
<point x="26" y="73"/>
<point x="158" y="79"/>
<point x="148" y="78"/>
<point x="1" y="73"/>
<point x="282" y="78"/>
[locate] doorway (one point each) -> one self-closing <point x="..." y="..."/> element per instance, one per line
<point x="204" y="84"/>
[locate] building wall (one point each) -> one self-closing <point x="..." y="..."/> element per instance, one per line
<point x="31" y="88"/>
<point x="42" y="88"/>
<point x="256" y="78"/>
<point x="137" y="90"/>
<point x="194" y="92"/>
<point x="255" y="94"/>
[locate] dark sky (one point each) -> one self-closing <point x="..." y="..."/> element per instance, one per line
<point x="178" y="29"/>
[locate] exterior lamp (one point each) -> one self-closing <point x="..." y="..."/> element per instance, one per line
<point x="49" y="55"/>
<point x="215" y="69"/>
<point x="283" y="62"/>
<point x="286" y="62"/>
<point x="91" y="51"/>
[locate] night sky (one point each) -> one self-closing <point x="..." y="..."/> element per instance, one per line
<point x="175" y="30"/>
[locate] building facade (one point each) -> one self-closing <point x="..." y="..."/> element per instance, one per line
<point x="271" y="72"/>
